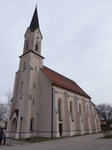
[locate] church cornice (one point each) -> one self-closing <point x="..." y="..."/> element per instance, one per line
<point x="31" y="52"/>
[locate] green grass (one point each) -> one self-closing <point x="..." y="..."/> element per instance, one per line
<point x="108" y="137"/>
<point x="40" y="139"/>
<point x="34" y="139"/>
<point x="107" y="134"/>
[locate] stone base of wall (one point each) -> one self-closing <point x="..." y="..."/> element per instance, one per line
<point x="48" y="134"/>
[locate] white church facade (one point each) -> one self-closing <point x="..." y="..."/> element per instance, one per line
<point x="46" y="101"/>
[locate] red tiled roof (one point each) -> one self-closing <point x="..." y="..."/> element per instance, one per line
<point x="63" y="82"/>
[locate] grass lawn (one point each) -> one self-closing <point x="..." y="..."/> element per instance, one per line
<point x="107" y="134"/>
<point x="40" y="139"/>
<point x="34" y="139"/>
<point x="108" y="137"/>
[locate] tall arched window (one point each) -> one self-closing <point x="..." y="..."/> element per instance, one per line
<point x="31" y="124"/>
<point x="26" y="45"/>
<point x="34" y="86"/>
<point x="36" y="47"/>
<point x="24" y="66"/>
<point x="59" y="109"/>
<point x="21" y="87"/>
<point x="80" y="110"/>
<point x="71" y="110"/>
<point x="87" y="109"/>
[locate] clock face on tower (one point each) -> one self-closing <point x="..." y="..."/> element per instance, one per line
<point x="37" y="38"/>
<point x="27" y="37"/>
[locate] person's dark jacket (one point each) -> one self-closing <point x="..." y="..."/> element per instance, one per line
<point x="1" y="134"/>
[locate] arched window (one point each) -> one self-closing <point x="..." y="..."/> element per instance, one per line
<point x="71" y="110"/>
<point x="87" y="110"/>
<point x="21" y="87"/>
<point x="59" y="109"/>
<point x="36" y="47"/>
<point x="31" y="124"/>
<point x="26" y="45"/>
<point x="24" y="65"/>
<point x="34" y="85"/>
<point x="80" y="108"/>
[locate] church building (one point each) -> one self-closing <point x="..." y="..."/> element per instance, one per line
<point x="45" y="101"/>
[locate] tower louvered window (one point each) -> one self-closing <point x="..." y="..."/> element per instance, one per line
<point x="36" y="47"/>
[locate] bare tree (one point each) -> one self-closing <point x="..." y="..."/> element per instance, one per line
<point x="4" y="107"/>
<point x="105" y="113"/>
<point x="9" y="97"/>
<point x="3" y="110"/>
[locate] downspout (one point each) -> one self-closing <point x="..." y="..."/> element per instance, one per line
<point x="52" y="113"/>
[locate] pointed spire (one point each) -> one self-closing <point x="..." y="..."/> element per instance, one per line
<point x="35" y="22"/>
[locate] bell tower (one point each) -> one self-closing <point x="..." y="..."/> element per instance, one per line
<point x="25" y="94"/>
<point x="33" y="36"/>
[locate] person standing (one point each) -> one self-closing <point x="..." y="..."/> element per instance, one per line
<point x="4" y="137"/>
<point x="1" y="136"/>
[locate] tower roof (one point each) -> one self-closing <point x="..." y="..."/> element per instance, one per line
<point x="35" y="22"/>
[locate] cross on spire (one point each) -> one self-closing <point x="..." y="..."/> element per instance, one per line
<point x="36" y="4"/>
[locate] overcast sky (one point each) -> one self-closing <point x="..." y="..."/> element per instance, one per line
<point x="77" y="42"/>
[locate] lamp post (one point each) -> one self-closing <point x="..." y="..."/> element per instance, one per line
<point x="38" y="115"/>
